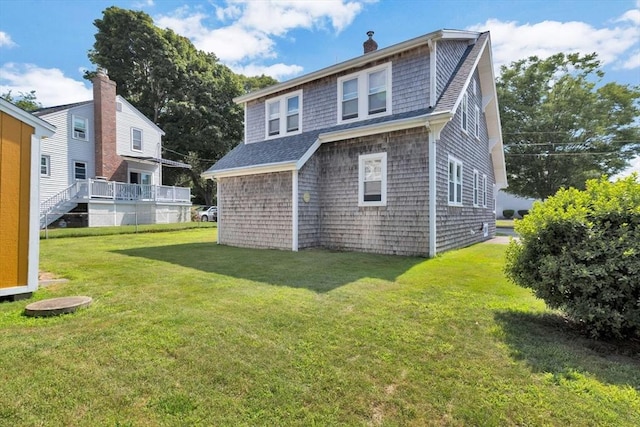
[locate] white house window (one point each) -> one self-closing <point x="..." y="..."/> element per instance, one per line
<point x="455" y="181"/>
<point x="349" y="99"/>
<point x="365" y="94"/>
<point x="136" y="139"/>
<point x="372" y="179"/>
<point x="284" y="114"/>
<point x="484" y="190"/>
<point x="477" y="123"/>
<point x="79" y="170"/>
<point x="45" y="165"/>
<point x="476" y="188"/>
<point x="80" y="128"/>
<point x="464" y="113"/>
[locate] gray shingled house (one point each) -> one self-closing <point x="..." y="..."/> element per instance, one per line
<point x="397" y="151"/>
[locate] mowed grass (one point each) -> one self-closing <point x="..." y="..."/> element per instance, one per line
<point x="185" y="332"/>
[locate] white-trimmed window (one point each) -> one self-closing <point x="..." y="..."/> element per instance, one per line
<point x="485" y="190"/>
<point x="284" y="115"/>
<point x="455" y="181"/>
<point x="464" y="113"/>
<point x="372" y="179"/>
<point x="80" y="128"/>
<point x="45" y="165"/>
<point x="136" y="139"/>
<point x="79" y="170"/>
<point x="365" y="94"/>
<point x="476" y="188"/>
<point x="477" y="123"/>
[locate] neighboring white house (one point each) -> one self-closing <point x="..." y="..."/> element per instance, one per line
<point x="103" y="166"/>
<point x="509" y="201"/>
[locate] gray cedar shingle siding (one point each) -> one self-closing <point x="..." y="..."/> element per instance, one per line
<point x="399" y="228"/>
<point x="461" y="226"/>
<point x="256" y="211"/>
<point x="410" y="92"/>
<point x="309" y="212"/>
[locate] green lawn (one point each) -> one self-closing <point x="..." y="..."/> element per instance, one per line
<point x="184" y="332"/>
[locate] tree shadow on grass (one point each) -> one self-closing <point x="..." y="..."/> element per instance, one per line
<point x="550" y="343"/>
<point x="316" y="270"/>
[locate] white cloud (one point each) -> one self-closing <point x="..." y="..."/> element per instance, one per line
<point x="251" y="27"/>
<point x="512" y="41"/>
<point x="143" y="3"/>
<point x="5" y="40"/>
<point x="632" y="62"/>
<point x="51" y="85"/>
<point x="277" y="71"/>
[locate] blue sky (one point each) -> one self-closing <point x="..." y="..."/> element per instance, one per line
<point x="47" y="52"/>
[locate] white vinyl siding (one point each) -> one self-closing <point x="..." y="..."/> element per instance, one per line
<point x="284" y="115"/>
<point x="455" y="182"/>
<point x="372" y="179"/>
<point x="365" y="94"/>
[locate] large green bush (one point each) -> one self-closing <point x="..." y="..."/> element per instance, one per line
<point x="580" y="252"/>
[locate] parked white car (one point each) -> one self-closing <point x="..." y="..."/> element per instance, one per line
<point x="207" y="213"/>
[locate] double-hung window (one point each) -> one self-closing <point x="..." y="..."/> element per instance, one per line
<point x="485" y="190"/>
<point x="455" y="181"/>
<point x="80" y="128"/>
<point x="372" y="179"/>
<point x="476" y="188"/>
<point x="136" y="139"/>
<point x="45" y="165"/>
<point x="284" y="115"/>
<point x="477" y="123"/>
<point x="464" y="113"/>
<point x="79" y="170"/>
<point x="365" y="94"/>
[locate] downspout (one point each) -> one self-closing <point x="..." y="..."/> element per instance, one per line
<point x="294" y="210"/>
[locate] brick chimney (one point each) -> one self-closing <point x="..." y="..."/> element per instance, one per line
<point x="370" y="45"/>
<point x="108" y="163"/>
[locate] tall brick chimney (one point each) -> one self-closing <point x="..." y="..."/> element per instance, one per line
<point x="370" y="45"/>
<point x="108" y="163"/>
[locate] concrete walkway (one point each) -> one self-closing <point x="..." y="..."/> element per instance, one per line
<point x="500" y="240"/>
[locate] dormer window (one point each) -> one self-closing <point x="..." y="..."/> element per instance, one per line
<point x="80" y="128"/>
<point x="365" y="94"/>
<point x="284" y="115"/>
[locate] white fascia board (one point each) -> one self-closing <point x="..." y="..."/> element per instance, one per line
<point x="250" y="170"/>
<point x="483" y="49"/>
<point x="358" y="62"/>
<point x="43" y="128"/>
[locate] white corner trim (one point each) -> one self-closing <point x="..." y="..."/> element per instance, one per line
<point x="34" y="216"/>
<point x="306" y="156"/>
<point x="219" y="212"/>
<point x="294" y="211"/>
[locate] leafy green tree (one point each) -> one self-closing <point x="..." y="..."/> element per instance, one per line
<point x="26" y="101"/>
<point x="561" y="126"/>
<point x="187" y="92"/>
<point x="250" y="84"/>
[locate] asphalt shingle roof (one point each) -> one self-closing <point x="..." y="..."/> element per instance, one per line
<point x="292" y="148"/>
<point x="49" y="110"/>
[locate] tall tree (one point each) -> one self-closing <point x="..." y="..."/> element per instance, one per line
<point x="26" y="101"/>
<point x="561" y="126"/>
<point x="187" y="92"/>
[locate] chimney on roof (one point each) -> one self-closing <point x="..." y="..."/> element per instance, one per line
<point x="370" y="45"/>
<point x="108" y="163"/>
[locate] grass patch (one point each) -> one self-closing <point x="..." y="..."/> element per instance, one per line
<point x="122" y="229"/>
<point x="185" y="332"/>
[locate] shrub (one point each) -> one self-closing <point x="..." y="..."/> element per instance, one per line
<point x="523" y="212"/>
<point x="580" y="252"/>
<point x="508" y="213"/>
